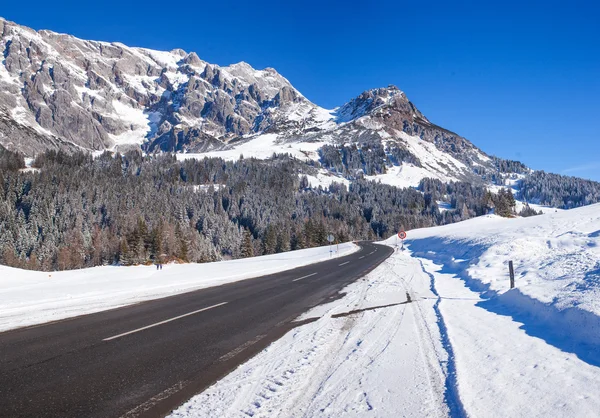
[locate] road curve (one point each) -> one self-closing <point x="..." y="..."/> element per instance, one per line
<point x="146" y="359"/>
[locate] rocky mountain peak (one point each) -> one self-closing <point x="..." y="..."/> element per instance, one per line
<point x="58" y="91"/>
<point x="370" y="101"/>
<point x="100" y="95"/>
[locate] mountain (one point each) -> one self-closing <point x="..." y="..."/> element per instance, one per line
<point x="100" y="95"/>
<point x="61" y="92"/>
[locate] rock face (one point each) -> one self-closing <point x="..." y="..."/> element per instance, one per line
<point x="99" y="95"/>
<point x="58" y="91"/>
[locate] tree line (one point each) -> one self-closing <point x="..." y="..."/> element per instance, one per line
<point x="77" y="211"/>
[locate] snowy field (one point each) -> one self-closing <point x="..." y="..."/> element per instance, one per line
<point x="31" y="297"/>
<point x="262" y="147"/>
<point x="463" y="345"/>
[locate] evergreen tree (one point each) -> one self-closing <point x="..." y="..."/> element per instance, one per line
<point x="247" y="249"/>
<point x="270" y="241"/>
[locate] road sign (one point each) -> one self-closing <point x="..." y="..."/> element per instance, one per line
<point x="330" y="238"/>
<point x="402" y="235"/>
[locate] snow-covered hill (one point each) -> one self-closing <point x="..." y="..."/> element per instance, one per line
<point x="435" y="331"/>
<point x="58" y="91"/>
<point x="556" y="259"/>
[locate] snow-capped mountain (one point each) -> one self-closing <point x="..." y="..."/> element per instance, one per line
<point x="58" y="91"/>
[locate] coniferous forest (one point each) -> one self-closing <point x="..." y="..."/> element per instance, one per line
<point x="73" y="211"/>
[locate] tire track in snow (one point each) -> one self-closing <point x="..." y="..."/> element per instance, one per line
<point x="434" y="369"/>
<point x="451" y="394"/>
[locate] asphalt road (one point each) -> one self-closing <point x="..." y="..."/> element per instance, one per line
<point x="146" y="359"/>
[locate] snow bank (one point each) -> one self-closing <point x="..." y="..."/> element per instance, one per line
<point x="502" y="369"/>
<point x="556" y="255"/>
<point x="556" y="258"/>
<point x="30" y="297"/>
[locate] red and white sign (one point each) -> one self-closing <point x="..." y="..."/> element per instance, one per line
<point x="402" y="235"/>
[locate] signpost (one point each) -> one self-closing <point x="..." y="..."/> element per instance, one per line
<point x="402" y="236"/>
<point x="330" y="238"/>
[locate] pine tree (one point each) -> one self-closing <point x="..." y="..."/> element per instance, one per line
<point x="283" y="240"/>
<point x="124" y="255"/>
<point x="270" y="241"/>
<point x="247" y="248"/>
<point x="183" y="244"/>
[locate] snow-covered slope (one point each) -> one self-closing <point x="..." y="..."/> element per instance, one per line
<point x="556" y="256"/>
<point x="435" y="331"/>
<point x="58" y="91"/>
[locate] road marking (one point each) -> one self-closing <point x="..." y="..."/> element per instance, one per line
<point x="343" y="263"/>
<point x="241" y="348"/>
<point x="361" y="257"/>
<point x="163" y="322"/>
<point x="371" y="252"/>
<point x="136" y="412"/>
<point x="303" y="277"/>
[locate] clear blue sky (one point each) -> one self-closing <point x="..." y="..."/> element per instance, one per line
<point x="521" y="79"/>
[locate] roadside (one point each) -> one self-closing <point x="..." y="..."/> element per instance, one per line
<point x="386" y="361"/>
<point x="501" y="370"/>
<point x="33" y="297"/>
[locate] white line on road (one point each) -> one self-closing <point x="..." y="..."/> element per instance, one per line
<point x="361" y="257"/>
<point x="303" y="277"/>
<point x="343" y="263"/>
<point x="371" y="252"/>
<point x="163" y="322"/>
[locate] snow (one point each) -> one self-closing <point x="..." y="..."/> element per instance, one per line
<point x="206" y="187"/>
<point x="323" y="115"/>
<point x="163" y="58"/>
<point x="466" y="344"/>
<point x="435" y="161"/>
<point x="324" y="179"/>
<point x="435" y="164"/>
<point x="23" y="117"/>
<point x="556" y="255"/>
<point x="262" y="147"/>
<point x="513" y="184"/>
<point x="544" y="209"/>
<point x="143" y="83"/>
<point x="138" y="121"/>
<point x="82" y="90"/>
<point x="307" y="112"/>
<point x="443" y="206"/>
<point x="176" y="78"/>
<point x="29" y="170"/>
<point x="31" y="297"/>
<point x="402" y="176"/>
<point x="5" y="76"/>
<point x="356" y="109"/>
<point x="20" y="115"/>
<point x="269" y="81"/>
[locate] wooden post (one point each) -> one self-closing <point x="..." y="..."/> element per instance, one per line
<point x="511" y="270"/>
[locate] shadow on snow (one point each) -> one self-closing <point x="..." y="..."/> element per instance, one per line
<point x="571" y="330"/>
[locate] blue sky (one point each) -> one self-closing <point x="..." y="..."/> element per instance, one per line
<point x="518" y="79"/>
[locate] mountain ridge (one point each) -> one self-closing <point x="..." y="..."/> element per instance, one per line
<point x="62" y="92"/>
